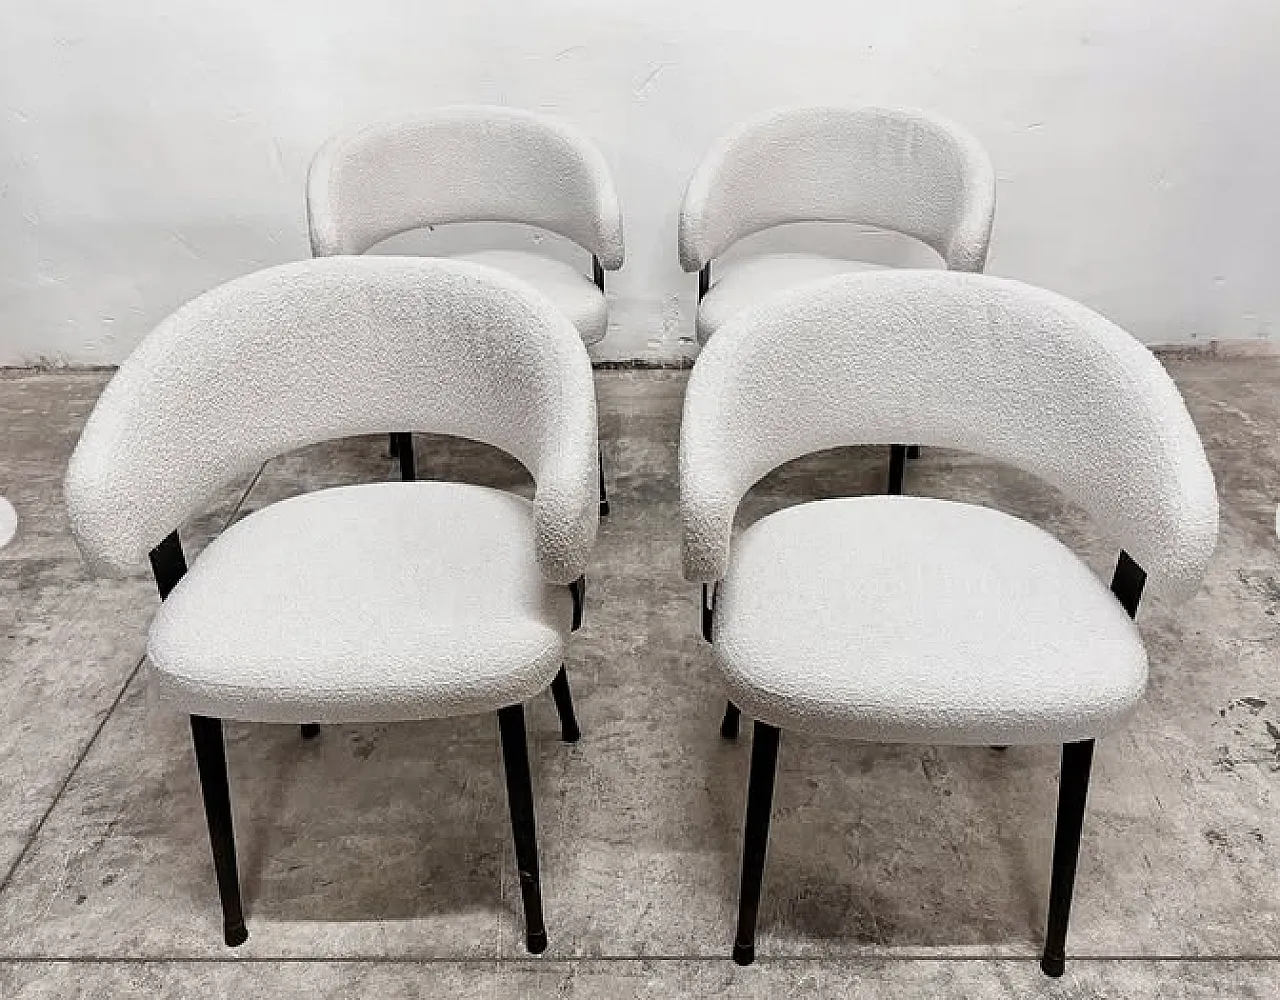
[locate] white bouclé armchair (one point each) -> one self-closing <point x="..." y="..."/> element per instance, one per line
<point x="916" y="620"/>
<point x="909" y="172"/>
<point x="378" y="602"/>
<point x="475" y="163"/>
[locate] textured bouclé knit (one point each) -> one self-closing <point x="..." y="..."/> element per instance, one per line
<point x="912" y="620"/>
<point x="462" y="164"/>
<point x="906" y="171"/>
<point x="371" y="603"/>
<point x="953" y="360"/>
<point x="903" y="619"/>
<point x="329" y="348"/>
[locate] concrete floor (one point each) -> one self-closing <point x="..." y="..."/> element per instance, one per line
<point x="375" y="861"/>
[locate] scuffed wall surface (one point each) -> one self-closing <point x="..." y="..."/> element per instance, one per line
<point x="148" y="151"/>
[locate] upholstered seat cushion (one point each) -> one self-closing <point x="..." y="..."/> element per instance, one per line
<point x="902" y="619"/>
<point x="573" y="291"/>
<point x="746" y="283"/>
<point x="379" y="602"/>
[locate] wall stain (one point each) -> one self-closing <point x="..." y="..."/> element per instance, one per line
<point x="363" y="746"/>
<point x="650" y="83"/>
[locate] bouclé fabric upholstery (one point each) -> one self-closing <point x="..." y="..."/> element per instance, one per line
<point x="907" y="171"/>
<point x="987" y="365"/>
<point x="474" y="163"/>
<point x="573" y="293"/>
<point x="906" y="619"/>
<point x="388" y="601"/>
<point x="748" y="283"/>
<point x="372" y="603"/>
<point x="464" y="163"/>
<point x="328" y="348"/>
<point x="913" y="620"/>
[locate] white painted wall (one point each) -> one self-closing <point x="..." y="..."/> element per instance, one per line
<point x="150" y="149"/>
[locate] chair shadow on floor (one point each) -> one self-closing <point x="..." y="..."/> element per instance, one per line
<point x="371" y="822"/>
<point x="905" y="847"/>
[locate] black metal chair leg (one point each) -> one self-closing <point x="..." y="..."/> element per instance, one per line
<point x="1073" y="789"/>
<point x="604" y="496"/>
<point x="515" y="760"/>
<point x="913" y="451"/>
<point x="578" y="591"/>
<point x="569" y="731"/>
<point x="729" y="724"/>
<point x="755" y="841"/>
<point x="403" y="449"/>
<point x="897" y="460"/>
<point x="310" y="730"/>
<point x="211" y="762"/>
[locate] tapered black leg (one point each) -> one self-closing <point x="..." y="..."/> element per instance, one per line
<point x="211" y="761"/>
<point x="515" y="759"/>
<point x="310" y="730"/>
<point x="403" y="449"/>
<point x="755" y="841"/>
<point x="578" y="591"/>
<point x="897" y="459"/>
<point x="729" y="724"/>
<point x="569" y="731"/>
<point x="604" y="495"/>
<point x="1073" y="788"/>
<point x="913" y="451"/>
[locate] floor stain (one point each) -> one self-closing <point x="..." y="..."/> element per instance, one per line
<point x="1265" y="586"/>
<point x="1254" y="739"/>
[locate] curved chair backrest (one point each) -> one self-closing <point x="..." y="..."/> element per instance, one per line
<point x="462" y="164"/>
<point x="327" y="348"/>
<point x="906" y="171"/>
<point x="987" y="365"/>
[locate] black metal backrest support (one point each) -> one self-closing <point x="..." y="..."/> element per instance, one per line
<point x="168" y="564"/>
<point x="708" y="609"/>
<point x="597" y="272"/>
<point x="1127" y="583"/>
<point x="704" y="280"/>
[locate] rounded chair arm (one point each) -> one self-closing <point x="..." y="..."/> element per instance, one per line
<point x="706" y="517"/>
<point x="610" y="249"/>
<point x="693" y="246"/>
<point x="566" y="523"/>
<point x="567" y="494"/>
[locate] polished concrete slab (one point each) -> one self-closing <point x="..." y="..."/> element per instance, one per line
<point x="376" y="860"/>
<point x="68" y="642"/>
<point x="874" y="979"/>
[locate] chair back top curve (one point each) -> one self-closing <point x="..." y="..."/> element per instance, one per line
<point x="329" y="348"/>
<point x="466" y="163"/>
<point x="987" y="365"/>
<point x="907" y="171"/>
